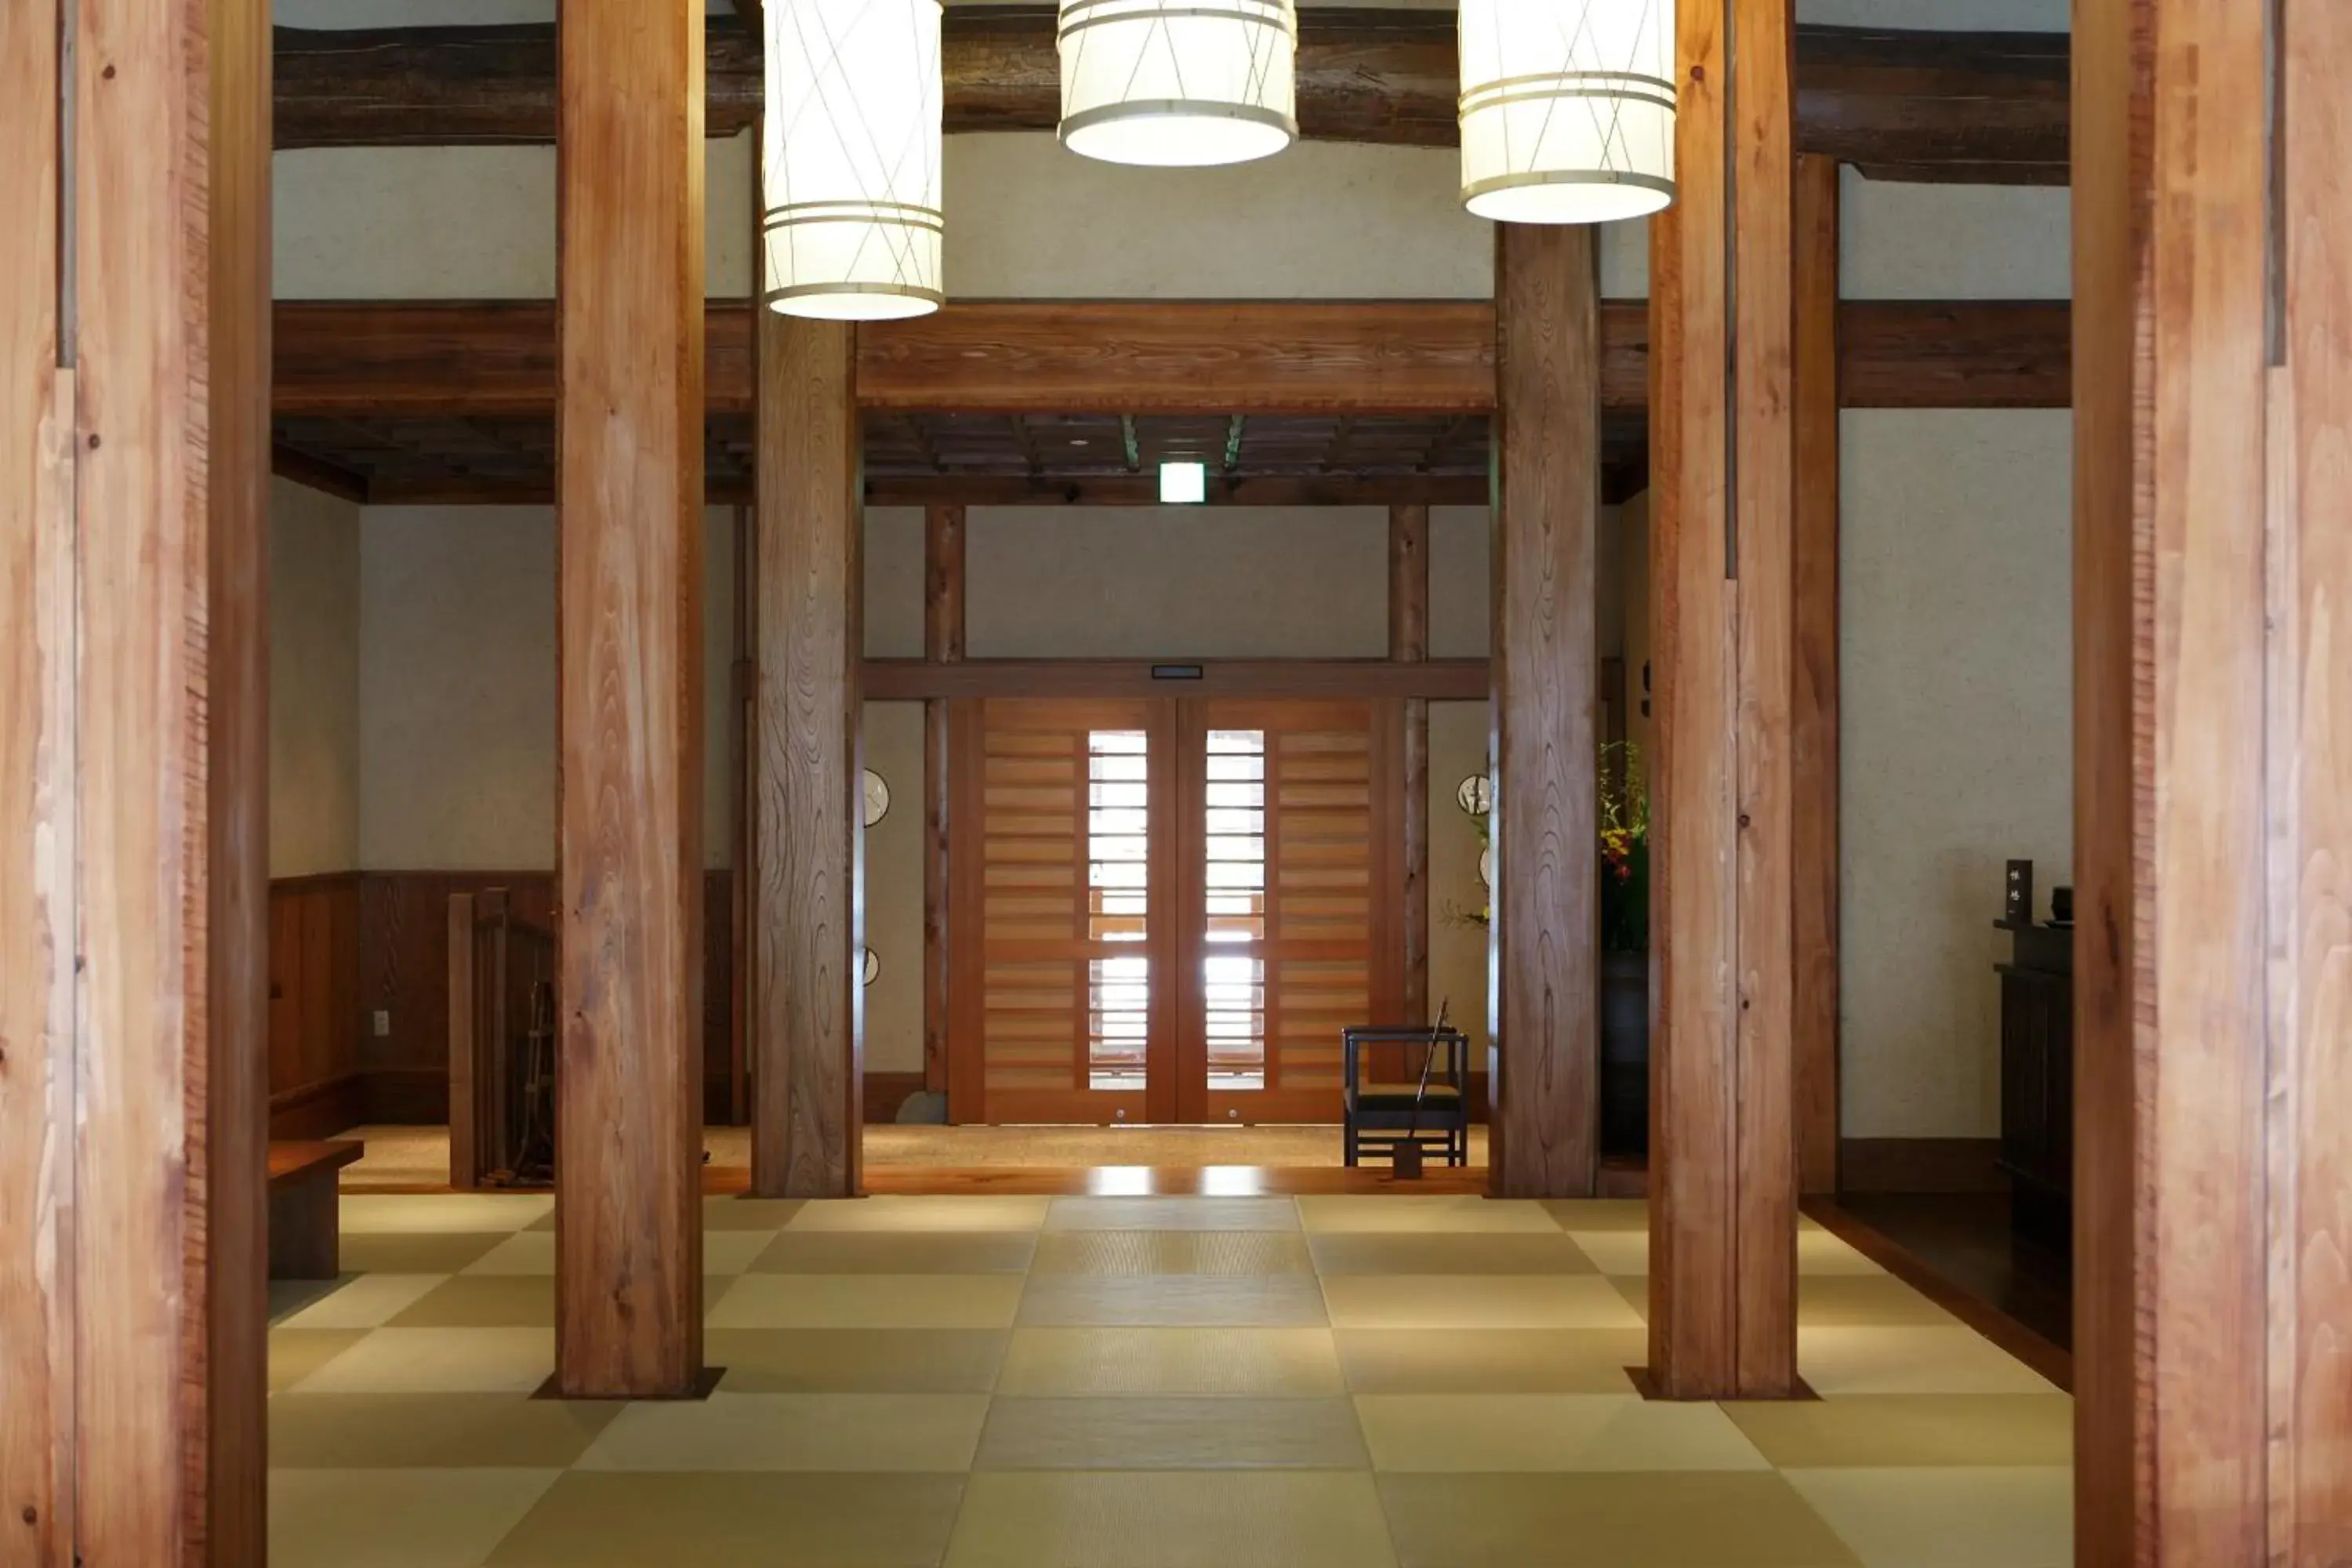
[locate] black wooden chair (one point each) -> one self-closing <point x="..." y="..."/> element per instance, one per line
<point x="1429" y="1109"/>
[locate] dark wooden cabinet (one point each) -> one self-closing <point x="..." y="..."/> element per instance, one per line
<point x="2037" y="1082"/>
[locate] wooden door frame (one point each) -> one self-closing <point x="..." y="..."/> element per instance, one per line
<point x="1383" y="723"/>
<point x="968" y="1096"/>
<point x="1177" y="727"/>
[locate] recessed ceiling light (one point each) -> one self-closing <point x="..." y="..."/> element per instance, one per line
<point x="1184" y="483"/>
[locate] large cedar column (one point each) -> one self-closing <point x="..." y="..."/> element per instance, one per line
<point x="1814" y="754"/>
<point x="1723" y="1163"/>
<point x="1545" y="945"/>
<point x="133" y="778"/>
<point x="1408" y="643"/>
<point x="943" y="623"/>
<point x="628" y="1302"/>
<point x="809" y="1011"/>
<point x="2213" y="784"/>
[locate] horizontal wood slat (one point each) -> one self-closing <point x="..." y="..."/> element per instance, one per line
<point x="486" y="358"/>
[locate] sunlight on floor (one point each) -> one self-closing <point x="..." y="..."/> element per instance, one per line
<point x="410" y="1156"/>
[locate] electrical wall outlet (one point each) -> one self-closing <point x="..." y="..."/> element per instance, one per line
<point x="382" y="1024"/>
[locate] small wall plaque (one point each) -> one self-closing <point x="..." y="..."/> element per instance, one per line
<point x="2017" y="908"/>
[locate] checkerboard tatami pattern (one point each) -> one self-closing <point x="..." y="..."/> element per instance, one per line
<point x="1138" y="1382"/>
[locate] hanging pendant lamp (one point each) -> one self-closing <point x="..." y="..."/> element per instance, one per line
<point x="851" y="227"/>
<point x="1179" y="82"/>
<point x="1567" y="109"/>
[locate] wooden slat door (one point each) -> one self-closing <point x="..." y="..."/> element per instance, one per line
<point x="1063" y="913"/>
<point x="1288" y="846"/>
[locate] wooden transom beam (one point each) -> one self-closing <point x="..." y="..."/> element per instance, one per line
<point x="1986" y="107"/>
<point x="391" y="359"/>
<point x="919" y="680"/>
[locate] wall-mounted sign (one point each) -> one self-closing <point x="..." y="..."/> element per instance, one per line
<point x="878" y="797"/>
<point x="1476" y="795"/>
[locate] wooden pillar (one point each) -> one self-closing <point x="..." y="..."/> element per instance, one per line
<point x="629" y="476"/>
<point x="1723" y="1161"/>
<point x="1813" y="757"/>
<point x="743" y="714"/>
<point x="133" y="779"/>
<point x="1408" y="643"/>
<point x="942" y="644"/>
<point x="2213" y="817"/>
<point x="1545" y="1061"/>
<point x="809" y="1014"/>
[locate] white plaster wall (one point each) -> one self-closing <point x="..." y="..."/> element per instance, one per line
<point x="1457" y="948"/>
<point x="1177" y="582"/>
<point x="1026" y="219"/>
<point x="1957" y="709"/>
<point x="894" y="582"/>
<point x="894" y="890"/>
<point x="314" y="683"/>
<point x="1461" y="588"/>
<point x="1957" y="16"/>
<point x="459" y="223"/>
<point x="1901" y="241"/>
<point x="458" y="688"/>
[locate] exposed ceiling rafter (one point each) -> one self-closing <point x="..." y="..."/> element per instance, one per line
<point x="1977" y="107"/>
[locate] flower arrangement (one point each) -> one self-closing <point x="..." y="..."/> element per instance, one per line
<point x="1624" y="813"/>
<point x="1624" y="850"/>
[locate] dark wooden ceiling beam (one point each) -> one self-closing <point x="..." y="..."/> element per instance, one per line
<point x="1244" y="489"/>
<point x="305" y="469"/>
<point x="1987" y="107"/>
<point x="406" y="359"/>
<point x="961" y="489"/>
<point x="919" y="680"/>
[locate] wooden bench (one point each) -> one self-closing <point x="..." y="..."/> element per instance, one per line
<point x="303" y="1219"/>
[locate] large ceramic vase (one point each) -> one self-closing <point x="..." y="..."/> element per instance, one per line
<point x="1624" y="1053"/>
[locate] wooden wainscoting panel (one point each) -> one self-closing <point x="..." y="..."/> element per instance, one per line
<point x="1920" y="1165"/>
<point x="316" y="1087"/>
<point x="885" y="1092"/>
<point x="403" y="971"/>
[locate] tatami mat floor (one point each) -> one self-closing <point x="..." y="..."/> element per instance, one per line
<point x="407" y="1157"/>
<point x="1138" y="1382"/>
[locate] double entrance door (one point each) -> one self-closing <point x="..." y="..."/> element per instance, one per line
<point x="1166" y="911"/>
